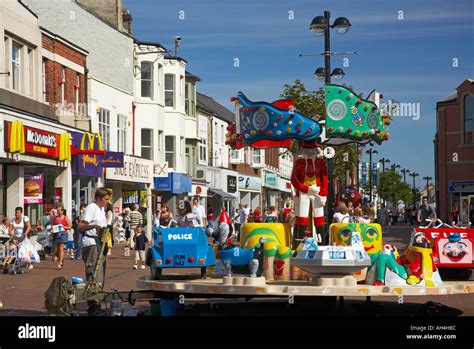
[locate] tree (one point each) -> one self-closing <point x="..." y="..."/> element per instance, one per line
<point x="312" y="105"/>
<point x="392" y="188"/>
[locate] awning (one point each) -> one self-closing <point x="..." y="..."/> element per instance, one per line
<point x="222" y="193"/>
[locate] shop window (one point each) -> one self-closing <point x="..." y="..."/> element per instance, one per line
<point x="169" y="90"/>
<point x="468" y="128"/>
<point x="170" y="151"/>
<point x="122" y="133"/>
<point x="147" y="79"/>
<point x="147" y="144"/>
<point x="104" y="127"/>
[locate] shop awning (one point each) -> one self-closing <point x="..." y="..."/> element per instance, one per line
<point x="223" y="194"/>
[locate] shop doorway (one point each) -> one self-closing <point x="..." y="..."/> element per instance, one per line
<point x="471" y="209"/>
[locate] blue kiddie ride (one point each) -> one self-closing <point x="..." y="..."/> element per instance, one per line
<point x="179" y="248"/>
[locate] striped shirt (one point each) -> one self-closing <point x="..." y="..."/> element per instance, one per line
<point x="135" y="219"/>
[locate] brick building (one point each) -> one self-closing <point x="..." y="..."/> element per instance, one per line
<point x="454" y="154"/>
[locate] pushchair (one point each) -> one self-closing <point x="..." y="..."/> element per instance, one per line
<point x="23" y="254"/>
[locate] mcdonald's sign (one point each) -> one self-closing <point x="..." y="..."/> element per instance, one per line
<point x="87" y="164"/>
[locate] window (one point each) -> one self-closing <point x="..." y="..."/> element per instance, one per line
<point x="43" y="77"/>
<point x="169" y="90"/>
<point x="147" y="79"/>
<point x="104" y="127"/>
<point x="147" y="144"/>
<point x="468" y="139"/>
<point x="159" y="143"/>
<point x="190" y="165"/>
<point x="169" y="151"/>
<point x="216" y="140"/>
<point x="190" y="104"/>
<point x="236" y="156"/>
<point x="181" y="90"/>
<point x="63" y="85"/>
<point x="16" y="66"/>
<point x="203" y="151"/>
<point x="222" y="135"/>
<point x="256" y="156"/>
<point x="30" y="73"/>
<point x="122" y="133"/>
<point x="76" y="92"/>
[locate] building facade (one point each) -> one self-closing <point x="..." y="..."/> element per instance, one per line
<point x="454" y="154"/>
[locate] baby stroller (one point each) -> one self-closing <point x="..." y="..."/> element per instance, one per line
<point x="46" y="241"/>
<point x="119" y="230"/>
<point x="23" y="255"/>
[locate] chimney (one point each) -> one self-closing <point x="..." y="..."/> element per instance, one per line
<point x="110" y="11"/>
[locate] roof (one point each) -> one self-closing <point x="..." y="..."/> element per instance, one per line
<point x="449" y="98"/>
<point x="28" y="8"/>
<point x="149" y="43"/>
<point x="192" y="76"/>
<point x="210" y="105"/>
<point x="176" y="58"/>
<point x="70" y="43"/>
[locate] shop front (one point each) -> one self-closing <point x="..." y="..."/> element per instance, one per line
<point x="284" y="186"/>
<point x="271" y="195"/>
<point x="132" y="184"/>
<point x="250" y="191"/>
<point x="36" y="171"/>
<point x="461" y="194"/>
<point x="171" y="189"/>
<point x="223" y="192"/>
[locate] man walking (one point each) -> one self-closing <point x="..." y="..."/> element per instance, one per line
<point x="91" y="229"/>
<point x="425" y="212"/>
<point x="200" y="211"/>
<point x="136" y="219"/>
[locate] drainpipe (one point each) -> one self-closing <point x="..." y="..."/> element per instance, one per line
<point x="134" y="106"/>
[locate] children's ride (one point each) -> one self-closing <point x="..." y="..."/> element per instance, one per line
<point x="179" y="248"/>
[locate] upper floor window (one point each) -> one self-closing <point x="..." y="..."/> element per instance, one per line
<point x="203" y="151"/>
<point x="147" y="144"/>
<point x="468" y="138"/>
<point x="147" y="79"/>
<point x="122" y="133"/>
<point x="104" y="127"/>
<point x="169" y="151"/>
<point x="190" y="103"/>
<point x="43" y="77"/>
<point x="16" y="65"/>
<point x="169" y="90"/>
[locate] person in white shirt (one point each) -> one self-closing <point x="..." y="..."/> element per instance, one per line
<point x="341" y="215"/>
<point x="200" y="211"/>
<point x="91" y="226"/>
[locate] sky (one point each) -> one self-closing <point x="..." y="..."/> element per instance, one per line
<point x="411" y="51"/>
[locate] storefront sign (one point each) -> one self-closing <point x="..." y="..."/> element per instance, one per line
<point x="461" y="186"/>
<point x="284" y="185"/>
<point x="160" y="169"/>
<point x="86" y="165"/>
<point x="231" y="184"/>
<point x="250" y="183"/>
<point x="177" y="183"/>
<point x="198" y="190"/>
<point x="271" y="180"/>
<point x="36" y="142"/>
<point x="112" y="159"/>
<point x="130" y="197"/>
<point x="134" y="169"/>
<point x="33" y="191"/>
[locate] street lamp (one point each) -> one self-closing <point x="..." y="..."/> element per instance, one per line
<point x="319" y="26"/>
<point x="384" y="161"/>
<point x="395" y="166"/>
<point x="370" y="152"/>
<point x="405" y="171"/>
<point x="414" y="175"/>
<point x="427" y="179"/>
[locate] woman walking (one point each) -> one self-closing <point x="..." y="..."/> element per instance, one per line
<point x="62" y="224"/>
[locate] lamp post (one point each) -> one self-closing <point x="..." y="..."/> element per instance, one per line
<point x="427" y="179"/>
<point x="384" y="161"/>
<point x="370" y="152"/>
<point x="395" y="166"/>
<point x="320" y="26"/>
<point x="414" y="175"/>
<point x="405" y="171"/>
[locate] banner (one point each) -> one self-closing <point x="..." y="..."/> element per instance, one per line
<point x="364" y="173"/>
<point x="33" y="191"/>
<point x="130" y="197"/>
<point x="87" y="165"/>
<point x="112" y="159"/>
<point x="374" y="173"/>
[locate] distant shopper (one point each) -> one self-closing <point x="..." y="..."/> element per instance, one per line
<point x="272" y="216"/>
<point x="425" y="212"/>
<point x="210" y="216"/>
<point x="358" y="216"/>
<point x="286" y="210"/>
<point x="136" y="219"/>
<point x="187" y="218"/>
<point x="140" y="246"/>
<point x="257" y="215"/>
<point x="341" y="215"/>
<point x="62" y="225"/>
<point x="164" y="216"/>
<point x="200" y="212"/>
<point x="382" y="216"/>
<point x="21" y="225"/>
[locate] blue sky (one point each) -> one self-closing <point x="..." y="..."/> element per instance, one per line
<point x="409" y="60"/>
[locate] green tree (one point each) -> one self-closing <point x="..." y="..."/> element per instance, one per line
<point x="392" y="188"/>
<point x="311" y="104"/>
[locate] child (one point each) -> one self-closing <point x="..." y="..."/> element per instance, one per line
<point x="70" y="243"/>
<point x="140" y="240"/>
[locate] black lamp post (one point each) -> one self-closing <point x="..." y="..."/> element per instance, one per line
<point x="405" y="171"/>
<point x="414" y="175"/>
<point x="427" y="179"/>
<point x="384" y="161"/>
<point x="320" y="26"/>
<point x="370" y="152"/>
<point x="395" y="166"/>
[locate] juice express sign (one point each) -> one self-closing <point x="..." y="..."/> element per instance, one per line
<point x="37" y="142"/>
<point x="133" y="170"/>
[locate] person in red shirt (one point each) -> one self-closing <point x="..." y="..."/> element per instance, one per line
<point x="257" y="215"/>
<point x="286" y="210"/>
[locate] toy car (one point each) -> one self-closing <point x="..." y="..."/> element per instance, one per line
<point x="179" y="248"/>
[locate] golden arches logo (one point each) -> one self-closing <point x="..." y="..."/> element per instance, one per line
<point x="91" y="139"/>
